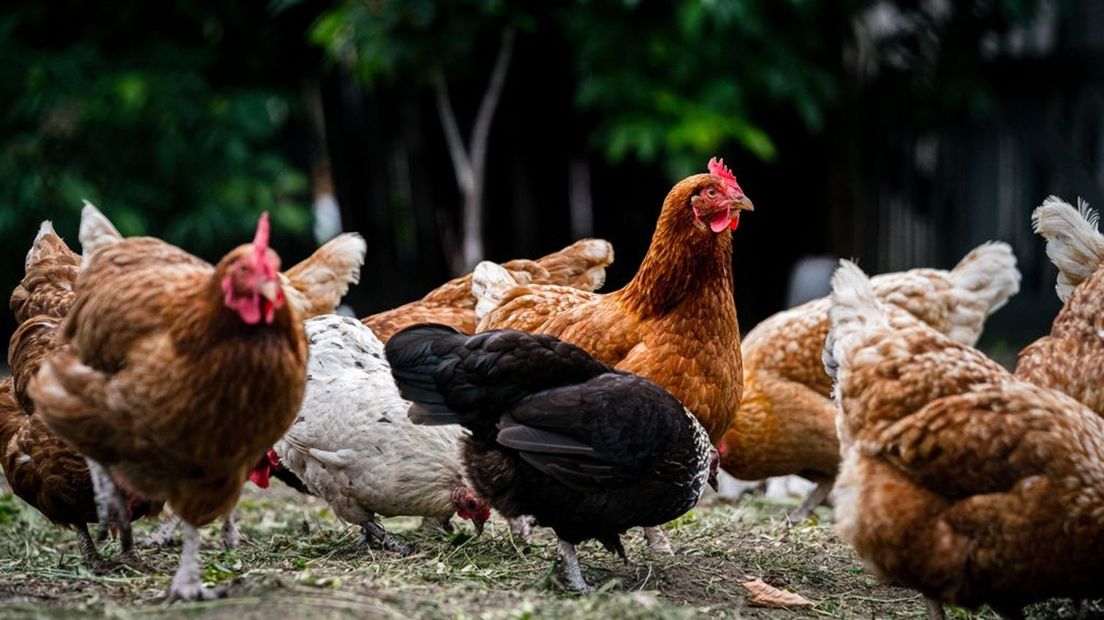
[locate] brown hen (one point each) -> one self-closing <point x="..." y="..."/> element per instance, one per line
<point x="40" y="468"/>
<point x="786" y="423"/>
<point x="176" y="377"/>
<point x="959" y="480"/>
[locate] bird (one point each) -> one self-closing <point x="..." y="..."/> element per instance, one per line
<point x="353" y="445"/>
<point x="587" y="450"/>
<point x="674" y="322"/>
<point x="958" y="479"/>
<point x="787" y="421"/>
<point x="173" y="378"/>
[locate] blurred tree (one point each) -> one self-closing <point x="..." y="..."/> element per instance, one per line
<point x="172" y="117"/>
<point x="429" y="42"/>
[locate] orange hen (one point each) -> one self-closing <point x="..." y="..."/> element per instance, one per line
<point x="674" y="323"/>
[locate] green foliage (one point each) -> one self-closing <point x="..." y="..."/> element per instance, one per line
<point x="173" y="132"/>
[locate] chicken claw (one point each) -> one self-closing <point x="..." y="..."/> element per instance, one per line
<point x="373" y="535"/>
<point x="232" y="538"/>
<point x="572" y="573"/>
<point x="187" y="585"/>
<point x="657" y="540"/>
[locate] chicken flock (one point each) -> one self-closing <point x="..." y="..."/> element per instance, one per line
<point x="145" y="380"/>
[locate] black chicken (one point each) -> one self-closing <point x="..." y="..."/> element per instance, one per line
<point x="587" y="450"/>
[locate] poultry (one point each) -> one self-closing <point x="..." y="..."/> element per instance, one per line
<point x="353" y="445"/>
<point x="958" y="479"/>
<point x="581" y="265"/>
<point x="314" y="286"/>
<point x="786" y="422"/>
<point x="176" y="377"/>
<point x="588" y="450"/>
<point x="40" y="468"/>
<point x="673" y="323"/>
<point x="1069" y="358"/>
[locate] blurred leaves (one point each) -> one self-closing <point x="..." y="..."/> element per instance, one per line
<point x="176" y="131"/>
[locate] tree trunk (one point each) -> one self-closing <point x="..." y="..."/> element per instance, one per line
<point x="469" y="162"/>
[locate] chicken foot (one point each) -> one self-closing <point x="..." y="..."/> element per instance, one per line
<point x="232" y="538"/>
<point x="373" y="535"/>
<point x="572" y="573"/>
<point x="657" y="540"/>
<point x="186" y="583"/>
<point x="89" y="554"/>
<point x="815" y="498"/>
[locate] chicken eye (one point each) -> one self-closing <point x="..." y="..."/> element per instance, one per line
<point x="711" y="192"/>
<point x="471" y="505"/>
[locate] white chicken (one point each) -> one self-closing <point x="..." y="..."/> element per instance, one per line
<point x="353" y="445"/>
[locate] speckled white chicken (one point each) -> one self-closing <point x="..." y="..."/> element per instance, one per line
<point x="353" y="445"/>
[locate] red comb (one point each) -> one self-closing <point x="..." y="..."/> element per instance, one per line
<point x="721" y="171"/>
<point x="260" y="241"/>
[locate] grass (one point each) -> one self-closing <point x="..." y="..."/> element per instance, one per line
<point x="301" y="561"/>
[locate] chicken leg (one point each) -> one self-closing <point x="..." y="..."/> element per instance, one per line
<point x="231" y="537"/>
<point x="91" y="556"/>
<point x="163" y="535"/>
<point x="935" y="609"/>
<point x="572" y="573"/>
<point x="522" y="528"/>
<point x="186" y="583"/>
<point x="111" y="510"/>
<point x="657" y="540"/>
<point x="815" y="498"/>
<point x="373" y="534"/>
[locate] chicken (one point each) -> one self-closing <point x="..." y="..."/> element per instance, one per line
<point x="1071" y="357"/>
<point x="353" y="445"/>
<point x="581" y="265"/>
<point x="175" y="378"/>
<point x="587" y="450"/>
<point x="957" y="479"/>
<point x="40" y="468"/>
<point x="312" y="287"/>
<point x="674" y="323"/>
<point x="786" y="423"/>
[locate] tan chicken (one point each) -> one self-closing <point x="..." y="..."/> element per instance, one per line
<point x="176" y="377"/>
<point x="786" y="422"/>
<point x="581" y="265"/>
<point x="959" y="480"/>
<point x="1071" y="357"/>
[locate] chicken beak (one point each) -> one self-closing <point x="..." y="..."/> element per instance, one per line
<point x="478" y="527"/>
<point x="713" y="483"/>
<point x="743" y="203"/>
<point x="270" y="290"/>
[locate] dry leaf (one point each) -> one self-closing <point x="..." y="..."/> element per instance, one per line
<point x="765" y="595"/>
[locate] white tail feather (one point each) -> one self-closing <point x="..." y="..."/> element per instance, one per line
<point x="1074" y="244"/>
<point x="316" y="285"/>
<point x="855" y="307"/>
<point x="489" y="285"/>
<point x="984" y="280"/>
<point x="96" y="231"/>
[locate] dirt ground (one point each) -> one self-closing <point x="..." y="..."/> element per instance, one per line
<point x="300" y="560"/>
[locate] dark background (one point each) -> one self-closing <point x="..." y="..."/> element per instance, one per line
<point x="899" y="133"/>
